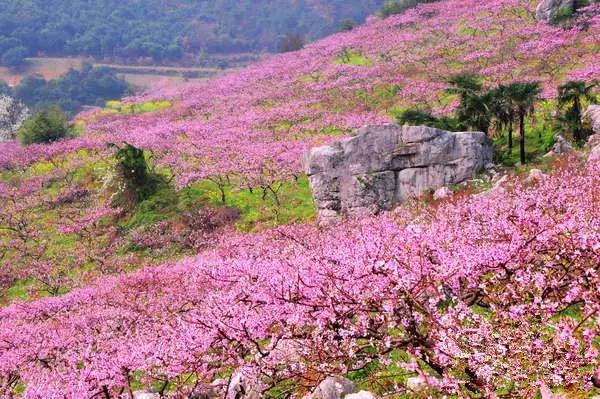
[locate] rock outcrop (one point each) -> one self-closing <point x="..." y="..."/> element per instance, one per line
<point x="561" y="145"/>
<point x="592" y="116"/>
<point x="12" y="115"/>
<point x="382" y="166"/>
<point x="548" y="10"/>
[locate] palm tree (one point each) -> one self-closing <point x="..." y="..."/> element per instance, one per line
<point x="572" y="95"/>
<point x="464" y="84"/>
<point x="523" y="95"/>
<point x="503" y="110"/>
<point x="414" y="117"/>
<point x="474" y="109"/>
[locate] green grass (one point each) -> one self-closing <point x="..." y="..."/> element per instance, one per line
<point x="538" y="141"/>
<point x="19" y="290"/>
<point x="258" y="212"/>
<point x="353" y="57"/>
<point x="137" y="108"/>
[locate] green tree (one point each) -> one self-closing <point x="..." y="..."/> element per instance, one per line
<point x="475" y="104"/>
<point x="571" y="98"/>
<point x="44" y="127"/>
<point x="416" y="117"/>
<point x="503" y="110"/>
<point x="138" y="182"/>
<point x="14" y="57"/>
<point x="420" y="117"/>
<point x="524" y="96"/>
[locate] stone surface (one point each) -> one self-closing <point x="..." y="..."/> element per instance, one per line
<point x="12" y="116"/>
<point x="145" y="395"/>
<point x="239" y="388"/>
<point x="382" y="166"/>
<point x="595" y="154"/>
<point x="592" y="114"/>
<point x="561" y="145"/>
<point x="332" y="388"/>
<point x="360" y="395"/>
<point x="441" y="193"/>
<point x="416" y="383"/>
<point x="547" y="10"/>
<point x="592" y="117"/>
<point x="535" y="176"/>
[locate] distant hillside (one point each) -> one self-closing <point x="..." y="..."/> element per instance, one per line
<point x="166" y="30"/>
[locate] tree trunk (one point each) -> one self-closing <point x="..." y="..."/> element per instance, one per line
<point x="510" y="135"/>
<point x="578" y="124"/>
<point x="522" y="137"/>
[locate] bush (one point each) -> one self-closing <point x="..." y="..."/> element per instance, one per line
<point x="347" y="25"/>
<point x="44" y="127"/>
<point x="292" y="42"/>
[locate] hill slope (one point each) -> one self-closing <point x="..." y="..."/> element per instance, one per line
<point x="474" y="297"/>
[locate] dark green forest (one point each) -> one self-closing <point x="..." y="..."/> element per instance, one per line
<point x="163" y="31"/>
<point x="77" y="88"/>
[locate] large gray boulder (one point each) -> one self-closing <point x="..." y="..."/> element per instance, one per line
<point x="382" y="166"/>
<point x="12" y="115"/>
<point x="548" y="10"/>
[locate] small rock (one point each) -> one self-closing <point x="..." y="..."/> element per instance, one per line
<point x="416" y="383"/>
<point x="535" y="176"/>
<point x="332" y="388"/>
<point x="441" y="193"/>
<point x="561" y="145"/>
<point x="145" y="395"/>
<point x="361" y="395"/>
<point x="205" y="392"/>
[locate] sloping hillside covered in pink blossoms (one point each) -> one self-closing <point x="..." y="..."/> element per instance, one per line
<point x="169" y="246"/>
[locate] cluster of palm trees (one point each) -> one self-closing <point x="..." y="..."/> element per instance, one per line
<point x="505" y="107"/>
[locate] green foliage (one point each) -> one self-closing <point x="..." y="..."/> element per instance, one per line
<point x="564" y="13"/>
<point x="138" y="108"/>
<point x="44" y="127"/>
<point x="573" y="96"/>
<point x="14" y="57"/>
<point x="353" y="57"/>
<point x="347" y="25"/>
<point x="87" y="86"/>
<point x="256" y="210"/>
<point x="292" y="42"/>
<point x="168" y="31"/>
<point x="423" y="117"/>
<point x="393" y="7"/>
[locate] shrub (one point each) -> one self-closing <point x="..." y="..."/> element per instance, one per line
<point x="44" y="127"/>
<point x="347" y="25"/>
<point x="292" y="42"/>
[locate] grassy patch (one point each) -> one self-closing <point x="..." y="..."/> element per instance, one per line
<point x="258" y="210"/>
<point x="353" y="57"/>
<point x="538" y="141"/>
<point x="137" y="108"/>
